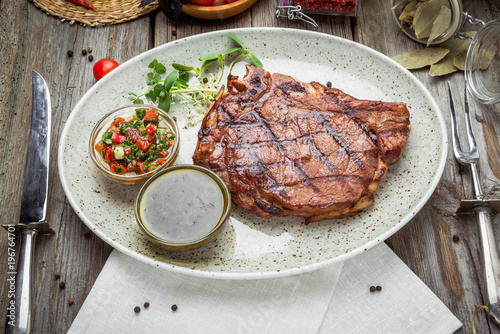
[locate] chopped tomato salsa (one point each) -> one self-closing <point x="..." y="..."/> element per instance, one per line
<point x="136" y="146"/>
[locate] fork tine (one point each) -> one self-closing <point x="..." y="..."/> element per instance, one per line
<point x="454" y="131"/>
<point x="470" y="133"/>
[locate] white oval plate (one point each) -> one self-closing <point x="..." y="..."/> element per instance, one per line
<point x="249" y="246"/>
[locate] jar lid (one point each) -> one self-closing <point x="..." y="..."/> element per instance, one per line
<point x="482" y="65"/>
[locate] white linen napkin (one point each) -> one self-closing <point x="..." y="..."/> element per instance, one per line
<point x="308" y="303"/>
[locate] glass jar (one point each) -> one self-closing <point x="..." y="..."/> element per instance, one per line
<point x="484" y="83"/>
<point x="456" y="22"/>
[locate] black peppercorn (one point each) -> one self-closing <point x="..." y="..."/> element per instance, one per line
<point x="329" y="84"/>
<point x="70" y="53"/>
<point x="91" y="57"/>
<point x="456" y="238"/>
<point x="57" y="276"/>
<point x="205" y="80"/>
<point x="84" y="52"/>
<point x="137" y="309"/>
<point x="378" y="288"/>
<point x="62" y="285"/>
<point x="174" y="307"/>
<point x="372" y="289"/>
<point x="146" y="304"/>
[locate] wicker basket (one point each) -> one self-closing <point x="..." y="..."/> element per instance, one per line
<point x="107" y="11"/>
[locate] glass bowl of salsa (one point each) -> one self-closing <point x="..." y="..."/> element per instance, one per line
<point x="183" y="207"/>
<point x="132" y="143"/>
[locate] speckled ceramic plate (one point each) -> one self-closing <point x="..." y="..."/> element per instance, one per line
<point x="249" y="246"/>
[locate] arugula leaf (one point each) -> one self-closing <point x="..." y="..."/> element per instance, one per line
<point x="138" y="101"/>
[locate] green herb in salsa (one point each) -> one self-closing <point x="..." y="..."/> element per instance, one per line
<point x="136" y="146"/>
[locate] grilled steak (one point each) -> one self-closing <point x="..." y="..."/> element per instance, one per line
<point x="285" y="147"/>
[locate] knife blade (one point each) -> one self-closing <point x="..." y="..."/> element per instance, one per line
<point x="33" y="209"/>
<point x="36" y="170"/>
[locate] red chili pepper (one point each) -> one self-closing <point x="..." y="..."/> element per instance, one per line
<point x="83" y="3"/>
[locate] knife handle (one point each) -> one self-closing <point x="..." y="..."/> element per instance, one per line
<point x="19" y="321"/>
<point x="491" y="261"/>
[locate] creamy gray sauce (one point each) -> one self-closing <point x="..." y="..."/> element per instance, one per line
<point x="181" y="205"/>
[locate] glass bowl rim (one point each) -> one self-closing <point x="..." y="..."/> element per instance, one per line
<point x="214" y="231"/>
<point x="130" y="178"/>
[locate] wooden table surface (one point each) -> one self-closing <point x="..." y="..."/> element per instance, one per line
<point x="32" y="40"/>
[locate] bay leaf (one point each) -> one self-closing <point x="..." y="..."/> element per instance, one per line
<point x="459" y="60"/>
<point x="400" y="4"/>
<point x="446" y="65"/>
<point x="443" y="67"/>
<point x="420" y="58"/>
<point x="486" y="59"/>
<point x="408" y="12"/>
<point x="441" y="24"/>
<point x="426" y="17"/>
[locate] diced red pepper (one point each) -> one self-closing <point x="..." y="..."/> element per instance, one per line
<point x="151" y="129"/>
<point x="142" y="144"/>
<point x="100" y="146"/>
<point x="118" y="168"/>
<point x="151" y="115"/>
<point x="108" y="154"/>
<point x="118" y="120"/>
<point x="141" y="167"/>
<point x="116" y="137"/>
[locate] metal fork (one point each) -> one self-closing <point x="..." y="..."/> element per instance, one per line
<point x="482" y="209"/>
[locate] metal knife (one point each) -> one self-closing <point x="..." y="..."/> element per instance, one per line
<point x="33" y="210"/>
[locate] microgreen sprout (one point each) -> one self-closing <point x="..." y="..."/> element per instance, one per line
<point x="176" y="83"/>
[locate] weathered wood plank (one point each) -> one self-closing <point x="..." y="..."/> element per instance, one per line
<point x="41" y="42"/>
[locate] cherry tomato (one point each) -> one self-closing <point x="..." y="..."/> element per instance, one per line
<point x="103" y="67"/>
<point x="202" y="2"/>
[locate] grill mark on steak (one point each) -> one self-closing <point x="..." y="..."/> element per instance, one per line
<point x="331" y="131"/>
<point x="272" y="137"/>
<point x="257" y="161"/>
<point x="285" y="147"/>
